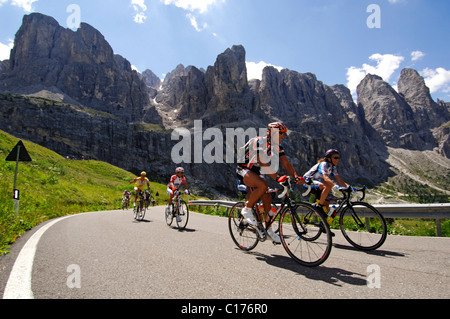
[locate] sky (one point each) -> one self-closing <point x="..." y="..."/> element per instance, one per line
<point x="340" y="41"/>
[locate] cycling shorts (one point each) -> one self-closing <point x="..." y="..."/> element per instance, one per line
<point x="242" y="171"/>
<point x="139" y="188"/>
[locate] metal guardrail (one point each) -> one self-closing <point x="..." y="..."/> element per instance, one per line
<point x="438" y="212"/>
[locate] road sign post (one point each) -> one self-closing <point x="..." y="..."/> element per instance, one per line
<point x="18" y="154"/>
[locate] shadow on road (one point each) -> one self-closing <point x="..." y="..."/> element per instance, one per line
<point x="378" y="252"/>
<point x="334" y="276"/>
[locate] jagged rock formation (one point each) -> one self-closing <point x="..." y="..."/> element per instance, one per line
<point x="97" y="95"/>
<point x="80" y="65"/>
<point x="409" y="119"/>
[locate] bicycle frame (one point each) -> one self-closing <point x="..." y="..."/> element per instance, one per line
<point x="287" y="202"/>
<point x="370" y="231"/>
<point x="300" y="240"/>
<point x="344" y="202"/>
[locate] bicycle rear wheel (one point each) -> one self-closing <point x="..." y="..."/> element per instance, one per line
<point x="363" y="226"/>
<point x="182" y="216"/>
<point x="243" y="235"/>
<point x="308" y="243"/>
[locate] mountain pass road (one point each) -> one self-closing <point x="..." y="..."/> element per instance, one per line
<point x="109" y="255"/>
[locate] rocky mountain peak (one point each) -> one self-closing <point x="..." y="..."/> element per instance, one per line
<point x="80" y="66"/>
<point x="428" y="113"/>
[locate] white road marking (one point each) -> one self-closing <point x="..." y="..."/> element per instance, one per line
<point x="19" y="282"/>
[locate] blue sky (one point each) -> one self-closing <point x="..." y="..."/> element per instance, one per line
<point x="338" y="40"/>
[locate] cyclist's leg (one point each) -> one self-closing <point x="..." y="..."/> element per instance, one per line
<point x="259" y="185"/>
<point x="326" y="188"/>
<point x="170" y="192"/>
<point x="135" y="195"/>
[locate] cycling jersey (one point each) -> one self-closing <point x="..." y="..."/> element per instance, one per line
<point x="177" y="181"/>
<point x="141" y="184"/>
<point x="258" y="146"/>
<point x="318" y="170"/>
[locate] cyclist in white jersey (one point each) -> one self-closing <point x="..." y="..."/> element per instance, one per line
<point x="321" y="174"/>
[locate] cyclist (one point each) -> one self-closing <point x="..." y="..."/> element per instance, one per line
<point x="175" y="184"/>
<point x="126" y="198"/>
<point x="147" y="198"/>
<point x="139" y="185"/>
<point x="321" y="174"/>
<point x="251" y="170"/>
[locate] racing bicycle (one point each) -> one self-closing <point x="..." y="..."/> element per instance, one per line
<point x="140" y="208"/>
<point x="179" y="211"/>
<point x="298" y="238"/>
<point x="362" y="225"/>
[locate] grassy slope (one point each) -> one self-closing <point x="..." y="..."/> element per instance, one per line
<point x="52" y="186"/>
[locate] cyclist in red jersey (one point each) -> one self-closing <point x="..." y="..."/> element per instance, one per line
<point x="251" y="172"/>
<point x="175" y="184"/>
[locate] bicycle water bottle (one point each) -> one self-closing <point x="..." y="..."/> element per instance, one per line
<point x="332" y="214"/>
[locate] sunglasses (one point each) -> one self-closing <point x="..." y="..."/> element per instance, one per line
<point x="336" y="157"/>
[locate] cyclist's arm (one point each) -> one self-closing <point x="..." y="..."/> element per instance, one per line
<point x="340" y="181"/>
<point x="288" y="166"/>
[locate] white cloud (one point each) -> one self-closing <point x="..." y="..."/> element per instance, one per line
<point x="192" y="5"/>
<point x="140" y="8"/>
<point x="5" y="50"/>
<point x="255" y="70"/>
<point x="194" y="23"/>
<point x="387" y="64"/>
<point x="26" y="5"/>
<point x="437" y="80"/>
<point x="140" y="17"/>
<point x="417" y="55"/>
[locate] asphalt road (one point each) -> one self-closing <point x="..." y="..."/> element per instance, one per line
<point x="109" y="255"/>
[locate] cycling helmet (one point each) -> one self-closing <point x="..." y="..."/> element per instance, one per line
<point x="144" y="174"/>
<point x="179" y="170"/>
<point x="277" y="126"/>
<point x="331" y="152"/>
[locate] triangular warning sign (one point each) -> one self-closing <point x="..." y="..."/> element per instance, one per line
<point x="23" y="154"/>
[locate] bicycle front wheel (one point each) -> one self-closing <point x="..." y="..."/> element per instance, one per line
<point x="244" y="235"/>
<point x="182" y="215"/>
<point x="142" y="212"/>
<point x="169" y="215"/>
<point x="363" y="226"/>
<point x="308" y="243"/>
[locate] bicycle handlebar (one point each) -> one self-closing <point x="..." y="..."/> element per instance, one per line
<point x="285" y="187"/>
<point x="308" y="184"/>
<point x="347" y="191"/>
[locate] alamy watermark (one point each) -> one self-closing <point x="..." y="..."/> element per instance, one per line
<point x="74" y="19"/>
<point x="229" y="146"/>
<point x="74" y="279"/>
<point x="374" y="19"/>
<point x="374" y="277"/>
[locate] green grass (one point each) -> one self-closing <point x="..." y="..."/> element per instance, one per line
<point x="51" y="186"/>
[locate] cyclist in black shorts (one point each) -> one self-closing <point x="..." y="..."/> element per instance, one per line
<point x="259" y="152"/>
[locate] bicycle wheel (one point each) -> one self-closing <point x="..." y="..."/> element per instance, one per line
<point x="169" y="215"/>
<point x="182" y="215"/>
<point x="135" y="211"/>
<point x="243" y="235"/>
<point x="296" y="236"/>
<point x="142" y="212"/>
<point x="363" y="226"/>
<point x="308" y="215"/>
